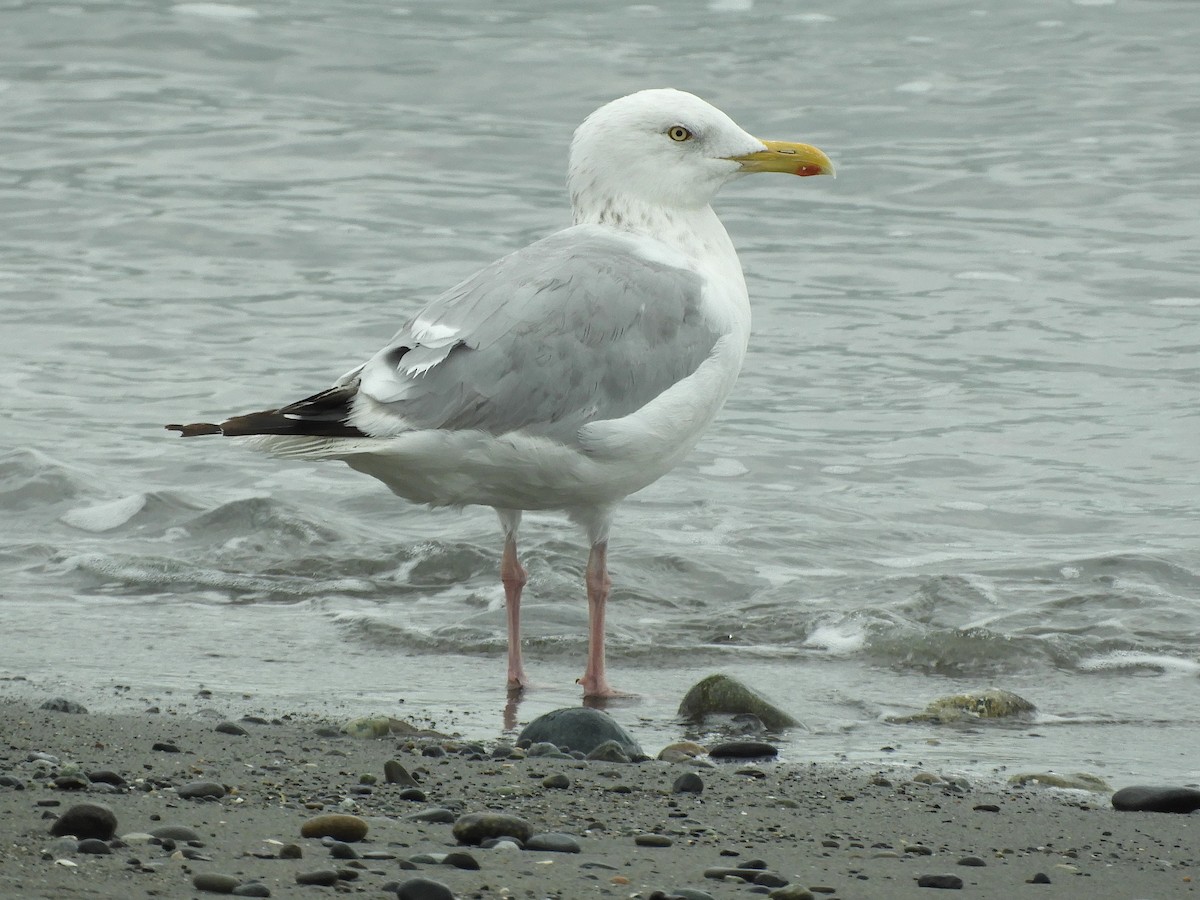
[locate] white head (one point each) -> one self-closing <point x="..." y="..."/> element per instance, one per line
<point x="668" y="148"/>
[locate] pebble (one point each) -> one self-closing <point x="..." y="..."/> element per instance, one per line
<point x="94" y="846"/>
<point x="291" y="851"/>
<point x="437" y="815"/>
<point x="580" y="729"/>
<point x="682" y="894"/>
<point x="473" y="828"/>
<point x="237" y="730"/>
<point x="11" y="781"/>
<point x="106" y="776"/>
<point x="323" y="877"/>
<point x="688" y="783"/>
<point x="971" y="861"/>
<point x="341" y="827"/>
<point x="195" y="790"/>
<point x="720" y="873"/>
<point x="743" y="750"/>
<point x="215" y="883"/>
<point x="946" y="882"/>
<point x="609" y="751"/>
<point x="395" y="773"/>
<point x="553" y="842"/>
<point x="792" y="892"/>
<point x="175" y="833"/>
<point x="86" y="820"/>
<point x="461" y="860"/>
<point x="1157" y="799"/>
<point x="652" y="840"/>
<point x="62" y="704"/>
<point x="557" y="781"/>
<point x="416" y="795"/>
<point x="164" y="747"/>
<point x="423" y="889"/>
<point x="770" y="880"/>
<point x="71" y="782"/>
<point x="1039" y="878"/>
<point x="342" y="850"/>
<point x="252" y="889"/>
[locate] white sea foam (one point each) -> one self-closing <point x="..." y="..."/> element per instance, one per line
<point x="105" y="516"/>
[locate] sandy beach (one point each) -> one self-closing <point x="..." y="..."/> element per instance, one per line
<point x="833" y="832"/>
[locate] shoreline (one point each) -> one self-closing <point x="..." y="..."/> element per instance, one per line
<point x="847" y="831"/>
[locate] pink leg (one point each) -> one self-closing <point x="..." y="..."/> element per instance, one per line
<point x="594" y="682"/>
<point x="514" y="577"/>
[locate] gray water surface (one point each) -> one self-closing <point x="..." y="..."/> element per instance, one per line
<point x="963" y="451"/>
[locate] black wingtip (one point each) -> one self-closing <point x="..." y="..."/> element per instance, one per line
<point x="195" y="429"/>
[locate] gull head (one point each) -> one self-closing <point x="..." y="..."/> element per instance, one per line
<point x="670" y="149"/>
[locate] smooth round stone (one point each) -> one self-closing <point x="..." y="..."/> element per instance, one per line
<point x="338" y="826"/>
<point x="94" y="846"/>
<point x="71" y="782"/>
<point x="461" y="860"/>
<point x="86" y="820"/>
<point x="653" y="840"/>
<point x="195" y="790"/>
<point x="11" y="781"/>
<point x="474" y="828"/>
<point x="106" y="776"/>
<point x="580" y="729"/>
<point x="252" y="889"/>
<point x="946" y="882"/>
<point x="556" y="782"/>
<point x="971" y="861"/>
<point x="609" y="751"/>
<point x="770" y="879"/>
<point x="291" y="851"/>
<point x="238" y="731"/>
<point x="688" y="783"/>
<point x="215" y="883"/>
<point x="175" y="833"/>
<point x="423" y="889"/>
<point x="1157" y="799"/>
<point x="553" y="842"/>
<point x="437" y="816"/>
<point x="415" y="795"/>
<point x="792" y="892"/>
<point x="743" y="750"/>
<point x="62" y="704"/>
<point x="682" y="894"/>
<point x="323" y="877"/>
<point x="720" y="873"/>
<point x="340" y="850"/>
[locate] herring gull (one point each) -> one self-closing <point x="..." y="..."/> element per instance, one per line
<point x="574" y="371"/>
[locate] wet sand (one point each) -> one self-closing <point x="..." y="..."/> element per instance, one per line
<point x="839" y="832"/>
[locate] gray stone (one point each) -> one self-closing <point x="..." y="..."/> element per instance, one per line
<point x="971" y="707"/>
<point x="86" y="820"/>
<point x="474" y="828"/>
<point x="235" y="729"/>
<point x="792" y="892"/>
<point x="720" y="694"/>
<point x="945" y="882"/>
<point x="175" y="833"/>
<point x="395" y="773"/>
<point x="423" y="889"/>
<point x="553" y="842"/>
<point x="106" y="776"/>
<point x="688" y="783"/>
<point x="291" y="851"/>
<point x="1144" y="798"/>
<point x="323" y="877"/>
<point x="94" y="846"/>
<point x="556" y="782"/>
<point x="195" y="790"/>
<point x="62" y="704"/>
<point x="461" y="860"/>
<point x="252" y="889"/>
<point x="971" y="861"/>
<point x="609" y="751"/>
<point x="743" y="750"/>
<point x="652" y="840"/>
<point x="342" y="850"/>
<point x="436" y="815"/>
<point x="215" y="882"/>
<point x="71" y="782"/>
<point x="770" y="880"/>
<point x="580" y="729"/>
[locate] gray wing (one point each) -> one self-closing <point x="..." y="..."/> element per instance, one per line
<point x="575" y="328"/>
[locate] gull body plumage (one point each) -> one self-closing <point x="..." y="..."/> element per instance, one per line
<point x="574" y="371"/>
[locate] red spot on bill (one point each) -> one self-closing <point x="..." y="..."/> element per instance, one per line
<point x="808" y="169"/>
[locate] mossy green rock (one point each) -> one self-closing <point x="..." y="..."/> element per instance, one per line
<point x="971" y="707"/>
<point x="722" y="694"/>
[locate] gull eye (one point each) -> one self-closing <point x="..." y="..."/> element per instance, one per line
<point x="679" y="133"/>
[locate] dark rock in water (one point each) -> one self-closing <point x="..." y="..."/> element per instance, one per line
<point x="743" y="750"/>
<point x="195" y="790"/>
<point x="946" y="882"/>
<point x="86" y="820"/>
<point x="609" y="751"/>
<point x="323" y="877"/>
<point x="1076" y="781"/>
<point x="94" y="846"/>
<point x="473" y="828"/>
<point x="337" y="826"/>
<point x="394" y="773"/>
<point x="971" y="707"/>
<point x="553" y="842"/>
<point x="580" y="729"/>
<point x="688" y="783"/>
<point x="215" y="883"/>
<point x="175" y="833"/>
<point x="423" y="889"/>
<point x="1157" y="799"/>
<point x="722" y="694"/>
<point x="62" y="704"/>
<point x="231" y="728"/>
